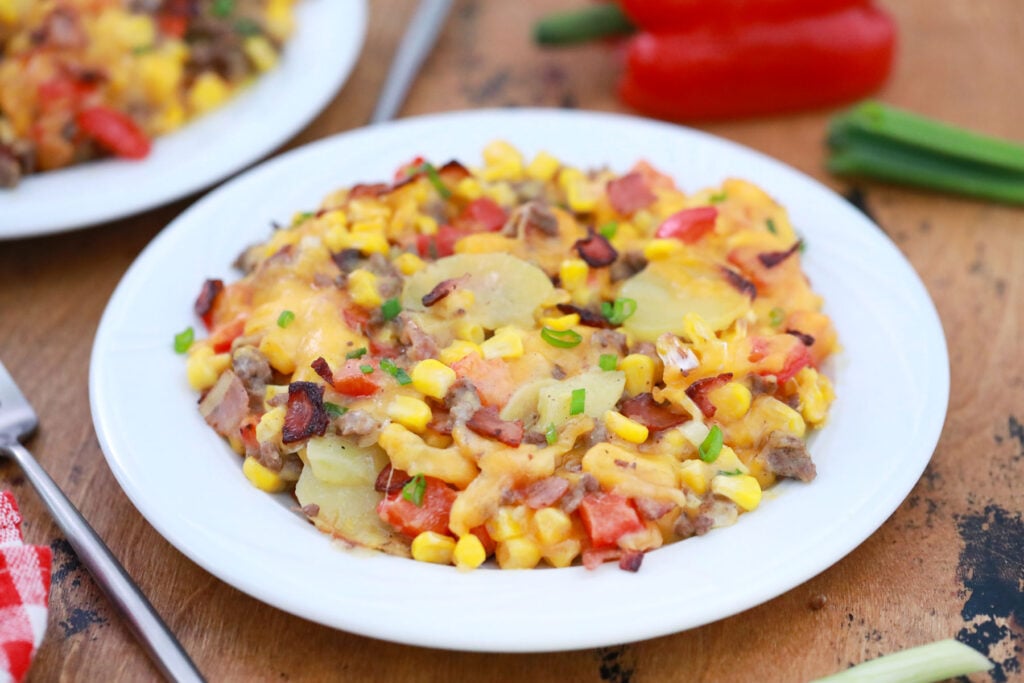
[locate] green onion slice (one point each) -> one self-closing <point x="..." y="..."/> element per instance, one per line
<point x="712" y="445"/>
<point x="366" y="369"/>
<point x="551" y="434"/>
<point x="578" y="401"/>
<point x="285" y="319"/>
<point x="435" y="179"/>
<point x="563" y="339"/>
<point x="616" y="313"/>
<point x="771" y="227"/>
<point x="608" y="361"/>
<point x="223" y="8"/>
<point x="358" y="353"/>
<point x="718" y="197"/>
<point x="609" y="229"/>
<point x="388" y="366"/>
<point x="413" y="491"/>
<point x="334" y="410"/>
<point x="391" y="309"/>
<point x="183" y="340"/>
<point x="776" y="316"/>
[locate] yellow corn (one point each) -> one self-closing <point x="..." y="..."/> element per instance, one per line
<point x="203" y="367"/>
<point x="208" y="92"/>
<point x="695" y="475"/>
<point x="543" y="167"/>
<point x="171" y="117"/>
<point x="336" y="238"/>
<point x="562" y="554"/>
<point x="507" y="523"/>
<point x="268" y="429"/>
<point x="371" y="225"/>
<point x="161" y="75"/>
<point x="410" y="412"/>
<point x="581" y="197"/>
<point x="573" y="273"/>
<point x="261" y="477"/>
<point x="280" y="20"/>
<point x="552" y="525"/>
<point x="518" y="553"/>
<point x="458" y="350"/>
<point x="505" y="343"/>
<point x="562" y="322"/>
<point x="431" y="546"/>
<point x="502" y="194"/>
<point x="502" y="162"/>
<point x="639" y="370"/>
<point x="469" y="188"/>
<point x="335" y="217"/>
<point x="426" y="225"/>
<point x="728" y="461"/>
<point x="620" y="425"/>
<point x="259" y="50"/>
<point x="816" y="395"/>
<point x="408" y="263"/>
<point x="731" y="401"/>
<point x="659" y="248"/>
<point x="8" y="11"/>
<point x="469" y="552"/>
<point x="774" y="414"/>
<point x="362" y="287"/>
<point x="469" y="331"/>
<point x="432" y="378"/>
<point x="741" y="489"/>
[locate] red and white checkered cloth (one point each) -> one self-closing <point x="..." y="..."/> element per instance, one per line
<point x="24" y="593"/>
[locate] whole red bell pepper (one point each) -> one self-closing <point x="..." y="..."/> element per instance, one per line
<point x="664" y="16"/>
<point x="724" y="70"/>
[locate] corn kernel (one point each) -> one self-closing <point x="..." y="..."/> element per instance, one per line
<point x="562" y="554"/>
<point x="362" y="287"/>
<point x="620" y="425"/>
<point x="562" y="322"/>
<point x="543" y="167"/>
<point x="171" y="117"/>
<point x="659" y="248"/>
<point x="8" y="11"/>
<point x="469" y="188"/>
<point x="775" y="414"/>
<point x="268" y="429"/>
<point x="208" y="92"/>
<point x="457" y="350"/>
<point x="203" y="367"/>
<point x="731" y="401"/>
<point x="335" y="217"/>
<point x="506" y="170"/>
<point x="728" y="461"/>
<point x="161" y="75"/>
<point x="552" y="524"/>
<point x="695" y="475"/>
<point x="502" y="194"/>
<point x="816" y="395"/>
<point x="505" y="343"/>
<point x="280" y="20"/>
<point x="499" y="151"/>
<point x="469" y="552"/>
<point x="260" y="52"/>
<point x="410" y="412"/>
<point x="430" y="546"/>
<point x="336" y="238"/>
<point x="741" y="489"/>
<point x="518" y="553"/>
<point x="471" y="332"/>
<point x="432" y="378"/>
<point x="507" y="523"/>
<point x="262" y="478"/>
<point x="639" y="369"/>
<point x="573" y="273"/>
<point x="581" y="197"/>
<point x="568" y="176"/>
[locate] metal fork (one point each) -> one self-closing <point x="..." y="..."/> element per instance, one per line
<point x="18" y="421"/>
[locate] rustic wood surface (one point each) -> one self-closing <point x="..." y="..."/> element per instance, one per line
<point x="947" y="564"/>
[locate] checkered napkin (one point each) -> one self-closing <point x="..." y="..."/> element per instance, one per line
<point x="24" y="591"/>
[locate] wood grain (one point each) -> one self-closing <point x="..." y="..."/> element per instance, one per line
<point x="948" y="562"/>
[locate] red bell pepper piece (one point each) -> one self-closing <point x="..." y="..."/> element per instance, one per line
<point x="222" y="336"/>
<point x="762" y="67"/>
<point x="688" y="225"/>
<point x="114" y="131"/>
<point x="350" y="380"/>
<point x="484" y="214"/>
<point x="412" y="519"/>
<point x="662" y="16"/>
<point x="606" y="517"/>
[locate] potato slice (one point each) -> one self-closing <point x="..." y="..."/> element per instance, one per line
<point x="337" y="460"/>
<point x="603" y="391"/>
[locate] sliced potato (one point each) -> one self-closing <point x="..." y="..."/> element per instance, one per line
<point x="337" y="460"/>
<point x="603" y="391"/>
<point x="522" y="405"/>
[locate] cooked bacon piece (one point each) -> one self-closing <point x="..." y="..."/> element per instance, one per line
<point x="442" y="289"/>
<point x="207" y="295"/>
<point x="323" y="369"/>
<point x="596" y="250"/>
<point x="649" y="508"/>
<point x="595" y="557"/>
<point x="486" y="422"/>
<point x="368" y="190"/>
<point x="630" y="193"/>
<point x="305" y="415"/>
<point x="649" y="413"/>
<point x="786" y="455"/>
<point x="742" y="284"/>
<point x="390" y="480"/>
<point x="588" y="317"/>
<point x="698" y="392"/>
<point x="770" y="259"/>
<point x="225" y="406"/>
<point x="545" y="492"/>
<point x="807" y="339"/>
<point x="453" y="171"/>
<point x="631" y="560"/>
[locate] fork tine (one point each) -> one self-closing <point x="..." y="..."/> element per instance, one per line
<point x="17" y="418"/>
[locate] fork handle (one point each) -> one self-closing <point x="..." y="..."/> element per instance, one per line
<point x="158" y="641"/>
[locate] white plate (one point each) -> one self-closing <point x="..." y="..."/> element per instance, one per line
<point x="316" y="61"/>
<point x="892" y="380"/>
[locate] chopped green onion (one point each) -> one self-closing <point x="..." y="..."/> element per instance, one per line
<point x="616" y="313"/>
<point x="388" y="366"/>
<point x="563" y="339"/>
<point x="583" y="25"/>
<point x="142" y="49"/>
<point x="414" y="489"/>
<point x="358" y="353"/>
<point x="938" y="661"/>
<point x="731" y="473"/>
<point x="285" y="319"/>
<point x="803" y="244"/>
<point x="366" y="369"/>
<point x="712" y="445"/>
<point x="334" y="410"/>
<point x="771" y="226"/>
<point x="718" y="197"/>
<point x="391" y="309"/>
<point x="183" y="340"/>
<point x="578" y="401"/>
<point x="222" y="8"/>
<point x="302" y="217"/>
<point x="435" y="179"/>
<point x="551" y="434"/>
<point x="247" y="28"/>
<point x="776" y="316"/>
<point x="608" y="361"/>
<point x="609" y="229"/>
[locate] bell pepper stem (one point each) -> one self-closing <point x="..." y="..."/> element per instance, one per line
<point x="581" y="26"/>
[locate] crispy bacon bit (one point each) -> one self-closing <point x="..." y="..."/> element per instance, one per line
<point x="443" y="289"/>
<point x="364" y="190"/>
<point x="595" y="557"/>
<point x="545" y="492"/>
<point x="742" y="284"/>
<point x="323" y="369"/>
<point x="224" y="407"/>
<point x="391" y="480"/>
<point x="588" y="317"/>
<point x="631" y="561"/>
<point x="453" y="171"/>
<point x="698" y="392"/>
<point x="630" y="193"/>
<point x="207" y="295"/>
<point x="770" y="259"/>
<point x="649" y="413"/>
<point x="807" y="339"/>
<point x="486" y="422"/>
<point x="305" y="415"/>
<point x="596" y="250"/>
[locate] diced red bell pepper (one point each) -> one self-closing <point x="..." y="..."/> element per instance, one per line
<point x="63" y="89"/>
<point x="606" y="517"/>
<point x="351" y="381"/>
<point x="799" y="358"/>
<point x="441" y="244"/>
<point x="484" y="214"/>
<point x="172" y="25"/>
<point x="688" y="225"/>
<point x="222" y="336"/>
<point x="411" y="519"/>
<point x="405" y="170"/>
<point x="114" y="131"/>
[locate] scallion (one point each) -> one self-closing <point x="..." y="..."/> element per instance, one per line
<point x="609" y="229"/>
<point x="770" y="224"/>
<point x="183" y="340"/>
<point x="435" y="179"/>
<point x="578" y="401"/>
<point x="414" y="489"/>
<point x="551" y="434"/>
<point x="776" y="316"/>
<point x="334" y="410"/>
<point x="366" y="369"/>
<point x="388" y="366"/>
<point x="358" y="353"/>
<point x="608" y="361"/>
<point x="718" y="197"/>
<point x="563" y="339"/>
<point x="390" y="309"/>
<point x="223" y="8"/>
<point x="618" y="312"/>
<point x="583" y="25"/>
<point x="285" y="319"/>
<point x="711" y="446"/>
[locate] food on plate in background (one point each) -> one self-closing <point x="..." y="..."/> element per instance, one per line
<point x="525" y="360"/>
<point x="81" y="79"/>
<point x="695" y="60"/>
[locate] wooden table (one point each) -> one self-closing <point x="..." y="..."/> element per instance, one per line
<point x="948" y="562"/>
